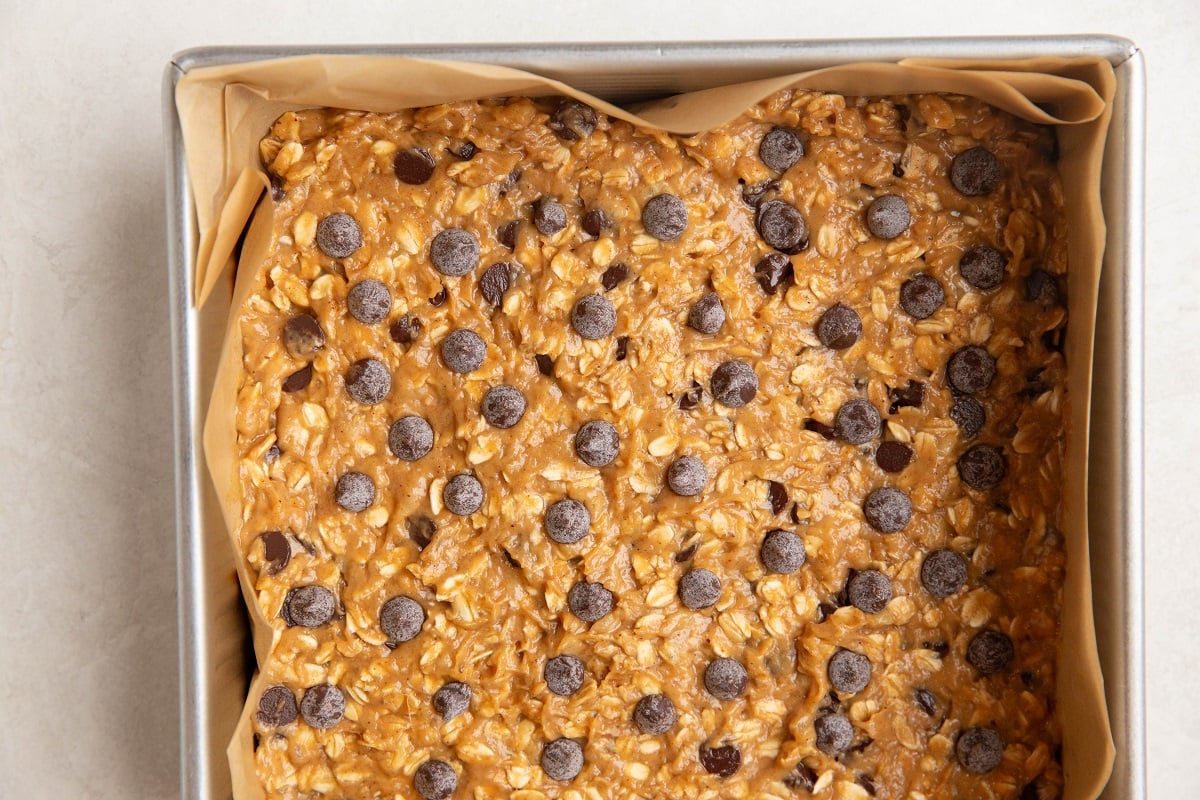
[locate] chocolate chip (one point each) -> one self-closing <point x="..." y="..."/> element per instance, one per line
<point x="277" y="551"/>
<point x="691" y="398"/>
<point x="277" y="190"/>
<point x="687" y="476"/>
<point x="503" y="406"/>
<point x="572" y="120"/>
<point x="567" y="521"/>
<point x="665" y="217"/>
<point x="1042" y="288"/>
<point x="990" y="652"/>
<point x="725" y="678"/>
<point x="722" y="761"/>
<point x="495" y="282"/>
<point x="707" y="315"/>
<point x="802" y="777"/>
<point x="782" y="552"/>
<point x="298" y="380"/>
<point x="975" y="172"/>
<point x="590" y="601"/>
<point x="968" y="414"/>
<point x="752" y="195"/>
<point x="839" y="327"/>
<point x="941" y="648"/>
<point x="545" y="364"/>
<point x="912" y="395"/>
<point x="463" y="151"/>
<point x="982" y="467"/>
<point x="323" y="706"/>
<point x="401" y="619"/>
<point x="857" y="421"/>
<point x="454" y="252"/>
<point x="463" y="351"/>
<point x="435" y="780"/>
<point x="971" y="369"/>
<point x="272" y="455"/>
<point x="562" y="759"/>
<point x="734" y="384"/>
<point x="451" y="700"/>
<point x="867" y="783"/>
<point x="772" y="271"/>
<point x="420" y="529"/>
<point x="777" y="496"/>
<point x="613" y="276"/>
<point x="564" y="675"/>
<point x="821" y="428"/>
<point x="685" y="555"/>
<point x="834" y="733"/>
<point x="354" y="491"/>
<point x="595" y="222"/>
<point x="369" y="302"/>
<point x="303" y="336"/>
<point x="339" y="235"/>
<point x="780" y="149"/>
<point x="893" y="456"/>
<point x="596" y="443"/>
<point x="410" y="438"/>
<point x="888" y="216"/>
<point x="781" y="225"/>
<point x="654" y="714"/>
<point x="549" y="217"/>
<point x="439" y="298"/>
<point x="887" y="509"/>
<point x="943" y="572"/>
<point x="463" y="494"/>
<point x="593" y="316"/>
<point x="506" y="234"/>
<point x="699" y="588"/>
<point x="368" y="381"/>
<point x="869" y="591"/>
<point x="406" y="329"/>
<point x="622" y="348"/>
<point x="414" y="166"/>
<point x="276" y="707"/>
<point x="921" y="296"/>
<point x="849" y="672"/>
<point x="979" y="750"/>
<point x="926" y="701"/>
<point x="983" y="267"/>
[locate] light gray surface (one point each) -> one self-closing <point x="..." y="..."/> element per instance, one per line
<point x="87" y="656"/>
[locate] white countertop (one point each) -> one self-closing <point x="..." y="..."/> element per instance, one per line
<point x="88" y="684"/>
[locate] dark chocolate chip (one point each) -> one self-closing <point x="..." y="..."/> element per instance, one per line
<point x="298" y="380"/>
<point x="888" y="216"/>
<point x="971" y="369"/>
<point x="622" y="348"/>
<point x="613" y="276"/>
<point x="802" y="777"/>
<point x="691" y="398"/>
<point x="722" y="761"/>
<point x="869" y="591"/>
<point x="777" y="496"/>
<point x="368" y="381"/>
<point x="887" y="509"/>
<point x="665" y="217"/>
<point x="506" y="234"/>
<point x="564" y="675"/>
<point x="277" y="188"/>
<point x="772" y="271"/>
<point x="921" y="296"/>
<point x="595" y="222"/>
<point x="545" y="364"/>
<point x="834" y="732"/>
<point x="549" y="217"/>
<point x="463" y="494"/>
<point x="912" y="395"/>
<point x="753" y="194"/>
<point x="654" y="714"/>
<point x="495" y="282"/>
<point x="303" y="336"/>
<point x="406" y="329"/>
<point x="1041" y="287"/>
<point x="277" y="551"/>
<point x="687" y="476"/>
<point x="503" y="406"/>
<point x="926" y="701"/>
<point x="868" y="783"/>
<point x="590" y="601"/>
<point x="510" y="560"/>
<point x="276" y="707"/>
<point x="572" y="120"/>
<point x="780" y="149"/>
<point x="439" y="298"/>
<point x="410" y="438"/>
<point x="990" y="652"/>
<point x="339" y="235"/>
<point x="825" y="431"/>
<point x="781" y="225"/>
<point x="401" y="619"/>
<point x="707" y="315"/>
<point x="839" y="327"/>
<point x="824" y="610"/>
<point x="725" y="678"/>
<point x="941" y="648"/>
<point x="857" y="421"/>
<point x="849" y="672"/>
<point x="968" y="414"/>
<point x="562" y="759"/>
<point x="593" y="316"/>
<point x="420" y="529"/>
<point x="435" y="780"/>
<point x="893" y="456"/>
<point x="597" y="443"/>
<point x="454" y="252"/>
<point x="463" y="151"/>
<point x="685" y="555"/>
<point x="323" y="706"/>
<point x="982" y="467"/>
<point x="463" y="351"/>
<point x="354" y="491"/>
<point x="983" y="267"/>
<point x="414" y="166"/>
<point x="975" y="172"/>
<point x="699" y="588"/>
<point x="734" y="384"/>
<point x="567" y="521"/>
<point x="943" y="572"/>
<point x="979" y="750"/>
<point x="782" y="552"/>
<point x="369" y="302"/>
<point x="452" y="700"/>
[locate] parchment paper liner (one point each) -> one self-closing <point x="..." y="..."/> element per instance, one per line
<point x="225" y="111"/>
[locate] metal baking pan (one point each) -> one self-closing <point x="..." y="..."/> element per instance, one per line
<point x="215" y="670"/>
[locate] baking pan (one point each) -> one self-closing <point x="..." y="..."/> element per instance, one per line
<point x="215" y="671"/>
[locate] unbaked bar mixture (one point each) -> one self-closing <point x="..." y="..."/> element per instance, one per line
<point x="583" y="461"/>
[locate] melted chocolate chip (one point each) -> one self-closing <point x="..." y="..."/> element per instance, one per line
<point x="613" y="276"/>
<point x="983" y="267"/>
<point x="753" y="195"/>
<point x="564" y="675"/>
<point x="414" y="166"/>
<point x="725" y="678"/>
<point x="849" y="672"/>
<point x="503" y="406"/>
<point x="782" y="552"/>
<point x="401" y="619"/>
<point x="777" y="496"/>
<point x="354" y="491"/>
<point x="420" y="529"/>
<point x="369" y="302"/>
<point x="339" y="236"/>
<point x="912" y="395"/>
<point x="780" y="149"/>
<point x="452" y="700"/>
<point x="734" y="384"/>
<point x="887" y="509"/>
<point x="406" y="329"/>
<point x="298" y="380"/>
<point x="595" y="222"/>
<point x="276" y="707"/>
<point x="926" y="701"/>
<point x="654" y="714"/>
<point x="869" y="591"/>
<point x="597" y="443"/>
<point x="699" y="588"/>
<point x="888" y="216"/>
<point x="435" y="780"/>
<point x="773" y="271"/>
<point x="277" y="190"/>
<point x="410" y="438"/>
<point x="781" y="225"/>
<point x="691" y="398"/>
<point x="707" y="315"/>
<point x="857" y="421"/>
<point x="971" y="369"/>
<point x="567" y="521"/>
<point x="943" y="572"/>
<point x="979" y="750"/>
<point x="685" y="555"/>
<point x="549" y="217"/>
<point x="590" y="601"/>
<point x="593" y="316"/>
<point x="323" y="706"/>
<point x="982" y="467"/>
<point x="665" y="217"/>
<point x="439" y="298"/>
<point x="277" y="551"/>
<point x="825" y="431"/>
<point x="968" y="414"/>
<point x="506" y="234"/>
<point x="545" y="364"/>
<point x="572" y="120"/>
<point x="463" y="151"/>
<point x="463" y="494"/>
<point x="303" y="336"/>
<point x="867" y="783"/>
<point x="722" y="761"/>
<point x="921" y="296"/>
<point x="368" y="381"/>
<point x="802" y="777"/>
<point x="687" y="476"/>
<point x="495" y="282"/>
<point x="839" y="327"/>
<point x="975" y="172"/>
<point x="454" y="252"/>
<point x="893" y="456"/>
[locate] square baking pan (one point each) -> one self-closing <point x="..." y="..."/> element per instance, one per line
<point x="215" y="670"/>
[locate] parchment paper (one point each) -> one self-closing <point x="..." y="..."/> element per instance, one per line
<point x="225" y="111"/>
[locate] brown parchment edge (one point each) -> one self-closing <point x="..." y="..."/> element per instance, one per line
<point x="225" y="111"/>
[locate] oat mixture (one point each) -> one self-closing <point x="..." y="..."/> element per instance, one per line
<point x="582" y="461"/>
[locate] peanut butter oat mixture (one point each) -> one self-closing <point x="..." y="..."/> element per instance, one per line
<point x="587" y="462"/>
